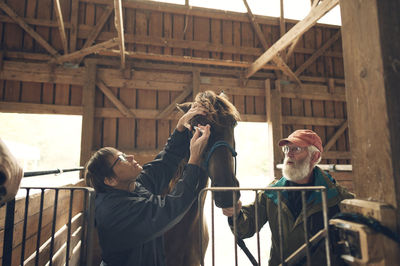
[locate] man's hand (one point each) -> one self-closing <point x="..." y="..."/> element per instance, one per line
<point x="198" y="143"/>
<point x="229" y="211"/>
<point x="194" y="110"/>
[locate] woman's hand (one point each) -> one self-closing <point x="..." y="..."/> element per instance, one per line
<point x="229" y="211"/>
<point x="198" y="143"/>
<point x="196" y="109"/>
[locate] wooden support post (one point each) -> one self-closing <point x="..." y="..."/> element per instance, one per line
<point x="371" y="52"/>
<point x="61" y="27"/>
<point x="88" y="103"/>
<point x="274" y="118"/>
<point x="119" y="25"/>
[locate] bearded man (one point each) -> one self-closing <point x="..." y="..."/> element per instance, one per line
<point x="302" y="149"/>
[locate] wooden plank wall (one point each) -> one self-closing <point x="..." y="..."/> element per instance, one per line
<point x="167" y="29"/>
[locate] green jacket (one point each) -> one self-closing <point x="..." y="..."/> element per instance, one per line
<point x="293" y="228"/>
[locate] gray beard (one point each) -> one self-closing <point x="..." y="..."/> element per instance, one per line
<point x="298" y="171"/>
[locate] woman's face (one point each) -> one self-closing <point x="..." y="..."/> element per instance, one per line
<point x="125" y="167"/>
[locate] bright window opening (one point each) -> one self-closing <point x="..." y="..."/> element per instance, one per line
<point x="254" y="169"/>
<point x="43" y="142"/>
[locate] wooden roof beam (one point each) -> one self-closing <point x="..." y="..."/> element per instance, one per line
<point x="280" y="63"/>
<point x="184" y="59"/>
<point x="61" y="27"/>
<point x="294" y="43"/>
<point x="99" y="26"/>
<point x="119" y="25"/>
<point x="83" y="52"/>
<point x="167" y="110"/>
<point x="296" y="31"/>
<point x="21" y="22"/>
<point x="318" y="53"/>
<point x="336" y="136"/>
<point x="110" y="95"/>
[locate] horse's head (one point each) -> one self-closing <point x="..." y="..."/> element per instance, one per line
<point x="222" y="117"/>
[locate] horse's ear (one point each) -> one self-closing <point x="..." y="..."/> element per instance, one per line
<point x="184" y="107"/>
<point x="223" y="95"/>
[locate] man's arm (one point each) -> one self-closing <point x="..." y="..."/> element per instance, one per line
<point x="157" y="174"/>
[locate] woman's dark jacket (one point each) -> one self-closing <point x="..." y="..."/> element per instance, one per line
<point x="131" y="225"/>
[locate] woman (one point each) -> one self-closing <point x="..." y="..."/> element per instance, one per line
<point x="131" y="215"/>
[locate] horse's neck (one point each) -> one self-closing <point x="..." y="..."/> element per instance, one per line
<point x="178" y="175"/>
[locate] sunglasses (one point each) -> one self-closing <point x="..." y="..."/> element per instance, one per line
<point x="286" y="149"/>
<point x="121" y="157"/>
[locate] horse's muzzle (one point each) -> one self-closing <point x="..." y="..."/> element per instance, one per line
<point x="224" y="199"/>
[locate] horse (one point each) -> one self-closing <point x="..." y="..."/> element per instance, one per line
<point x="182" y="243"/>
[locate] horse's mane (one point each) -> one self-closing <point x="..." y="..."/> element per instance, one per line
<point x="221" y="111"/>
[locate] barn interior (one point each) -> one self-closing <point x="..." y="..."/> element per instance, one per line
<point x="123" y="65"/>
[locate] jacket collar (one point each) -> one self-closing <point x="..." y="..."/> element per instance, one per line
<point x="320" y="179"/>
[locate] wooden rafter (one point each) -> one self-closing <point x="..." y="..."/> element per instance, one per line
<point x="335" y="137"/>
<point x="73" y="33"/>
<point x="301" y="27"/>
<point x="21" y="22"/>
<point x="99" y="26"/>
<point x="276" y="59"/>
<point x="183" y="59"/>
<point x="167" y="110"/>
<point x="318" y="53"/>
<point x="82" y="53"/>
<point x="292" y="47"/>
<point x="61" y="27"/>
<point x="110" y="95"/>
<point x="315" y="3"/>
<point x="119" y="25"/>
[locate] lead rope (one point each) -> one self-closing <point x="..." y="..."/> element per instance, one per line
<point x="239" y="241"/>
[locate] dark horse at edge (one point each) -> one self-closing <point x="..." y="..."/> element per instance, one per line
<point x="182" y="243"/>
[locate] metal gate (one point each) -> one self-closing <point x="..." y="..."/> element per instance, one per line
<point x="302" y="251"/>
<point x="70" y="243"/>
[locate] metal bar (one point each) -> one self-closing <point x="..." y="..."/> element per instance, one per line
<point x="55" y="171"/>
<point x="218" y="189"/>
<point x="235" y="227"/>
<point x="330" y="167"/>
<point x="201" y="225"/>
<point x="8" y="233"/>
<point x="297" y="255"/>
<point x="325" y="214"/>
<point x="257" y="229"/>
<point x="212" y="228"/>
<point x="90" y="225"/>
<point x="280" y="227"/>
<point x="69" y="228"/>
<point x="304" y="204"/>
<point x="39" y="226"/>
<point x="24" y="227"/>
<point x="53" y="227"/>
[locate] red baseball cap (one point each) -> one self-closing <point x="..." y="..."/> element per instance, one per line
<point x="303" y="138"/>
